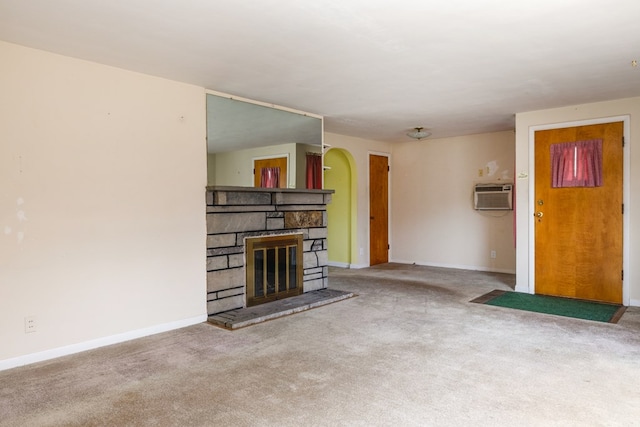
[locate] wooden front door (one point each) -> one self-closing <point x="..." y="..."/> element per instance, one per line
<point x="378" y="209"/>
<point x="277" y="162"/>
<point x="578" y="230"/>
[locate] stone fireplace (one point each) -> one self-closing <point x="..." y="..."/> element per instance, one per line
<point x="264" y="244"/>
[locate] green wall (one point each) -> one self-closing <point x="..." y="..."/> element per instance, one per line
<point x="340" y="210"/>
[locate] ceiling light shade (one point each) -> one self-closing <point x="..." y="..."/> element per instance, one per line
<point x="418" y="133"/>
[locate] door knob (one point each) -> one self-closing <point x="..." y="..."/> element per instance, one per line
<point x="538" y="214"/>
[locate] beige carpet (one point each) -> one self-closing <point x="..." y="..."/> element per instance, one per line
<point x="409" y="350"/>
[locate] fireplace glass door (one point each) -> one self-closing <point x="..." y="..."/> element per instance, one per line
<point x="274" y="268"/>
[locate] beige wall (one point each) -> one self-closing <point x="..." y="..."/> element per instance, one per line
<point x="432" y="217"/>
<point x="102" y="176"/>
<point x="432" y="220"/>
<point x="526" y="123"/>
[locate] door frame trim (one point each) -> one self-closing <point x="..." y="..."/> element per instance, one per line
<point x="626" y="193"/>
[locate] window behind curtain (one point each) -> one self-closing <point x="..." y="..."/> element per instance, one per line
<point x="270" y="177"/>
<point x="576" y="164"/>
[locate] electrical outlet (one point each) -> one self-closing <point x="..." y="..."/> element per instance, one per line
<point x="480" y="172"/>
<point x="30" y="324"/>
<point x="493" y="254"/>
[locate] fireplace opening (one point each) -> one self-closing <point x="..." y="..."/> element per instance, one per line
<point x="274" y="268"/>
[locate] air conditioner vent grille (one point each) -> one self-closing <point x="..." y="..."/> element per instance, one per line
<point x="484" y="189"/>
<point x="493" y="197"/>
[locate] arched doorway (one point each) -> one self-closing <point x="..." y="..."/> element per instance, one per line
<point x="339" y="175"/>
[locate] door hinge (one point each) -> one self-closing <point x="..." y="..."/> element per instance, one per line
<point x="254" y="171"/>
<point x="388" y="247"/>
<point x="623" y="209"/>
<point x="622" y="275"/>
<point x="388" y="168"/>
<point x="623" y="141"/>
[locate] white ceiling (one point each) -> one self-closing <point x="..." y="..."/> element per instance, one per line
<point x="373" y="68"/>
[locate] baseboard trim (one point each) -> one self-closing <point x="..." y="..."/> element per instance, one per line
<point x="523" y="289"/>
<point x="96" y="343"/>
<point x="634" y="303"/>
<point x="339" y="264"/>
<point x="358" y="266"/>
<point x="457" y="267"/>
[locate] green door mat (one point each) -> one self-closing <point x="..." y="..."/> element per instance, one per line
<point x="580" y="309"/>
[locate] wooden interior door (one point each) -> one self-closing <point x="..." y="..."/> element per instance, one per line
<point x="276" y="162"/>
<point x="378" y="209"/>
<point x="579" y="230"/>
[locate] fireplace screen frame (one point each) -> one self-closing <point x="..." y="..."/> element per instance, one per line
<point x="269" y="251"/>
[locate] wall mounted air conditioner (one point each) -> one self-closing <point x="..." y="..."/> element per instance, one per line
<point x="493" y="197"/>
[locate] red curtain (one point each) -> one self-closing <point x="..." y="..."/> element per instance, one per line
<point x="270" y="177"/>
<point x="314" y="171"/>
<point x="576" y="164"/>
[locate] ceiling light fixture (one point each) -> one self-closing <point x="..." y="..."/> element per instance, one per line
<point x="418" y="133"/>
